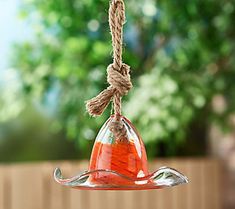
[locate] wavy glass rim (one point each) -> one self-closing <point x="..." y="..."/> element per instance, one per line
<point x="163" y="177"/>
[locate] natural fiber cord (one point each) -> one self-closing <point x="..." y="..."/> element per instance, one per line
<point x="117" y="73"/>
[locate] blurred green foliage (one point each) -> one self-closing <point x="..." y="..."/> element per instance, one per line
<point x="182" y="55"/>
<point x="26" y="138"/>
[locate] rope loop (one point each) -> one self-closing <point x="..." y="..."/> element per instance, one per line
<point x="118" y="73"/>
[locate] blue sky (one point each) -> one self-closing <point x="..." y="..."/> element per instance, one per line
<point x="12" y="30"/>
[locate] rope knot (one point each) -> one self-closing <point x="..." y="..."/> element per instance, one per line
<point x="120" y="84"/>
<point x="119" y="80"/>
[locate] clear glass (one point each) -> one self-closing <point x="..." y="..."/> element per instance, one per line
<point x="121" y="164"/>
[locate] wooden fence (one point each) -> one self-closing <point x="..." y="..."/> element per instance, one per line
<point x="31" y="186"/>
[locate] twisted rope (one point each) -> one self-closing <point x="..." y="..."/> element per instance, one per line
<point x="117" y="73"/>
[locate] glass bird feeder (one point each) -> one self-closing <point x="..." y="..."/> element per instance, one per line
<point x="118" y="161"/>
<point x="120" y="164"/>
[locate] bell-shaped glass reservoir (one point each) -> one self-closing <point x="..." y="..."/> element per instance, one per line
<point x="119" y="162"/>
<point x="125" y="155"/>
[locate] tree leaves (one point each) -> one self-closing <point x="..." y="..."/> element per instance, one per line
<point x="182" y="54"/>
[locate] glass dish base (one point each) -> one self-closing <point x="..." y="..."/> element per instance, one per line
<point x="112" y="180"/>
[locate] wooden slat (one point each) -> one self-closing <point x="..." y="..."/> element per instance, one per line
<point x="3" y="189"/>
<point x="165" y="196"/>
<point x="26" y="187"/>
<point x="128" y="200"/>
<point x="210" y="185"/>
<point x="137" y="199"/>
<point x="153" y="197"/>
<point x="55" y="196"/>
<point x="118" y="197"/>
<point x="79" y="199"/>
<point x="7" y="187"/>
<point x="217" y="172"/>
<point x="143" y="198"/>
<point x="206" y="185"/>
<point x="195" y="175"/>
<point x="180" y="193"/>
<point x="95" y="200"/>
<point x="156" y="199"/>
<point x="112" y="199"/>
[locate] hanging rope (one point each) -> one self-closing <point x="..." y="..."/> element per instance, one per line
<point x="117" y="73"/>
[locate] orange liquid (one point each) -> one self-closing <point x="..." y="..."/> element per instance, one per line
<point x="122" y="157"/>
